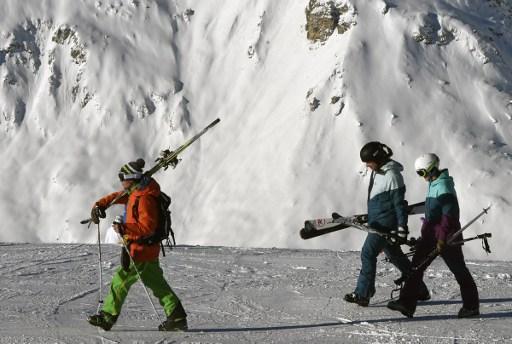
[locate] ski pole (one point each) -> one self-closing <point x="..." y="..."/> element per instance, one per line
<point x="454" y="235"/>
<point x="164" y="161"/>
<point x="485" y="243"/>
<point x="435" y="252"/>
<point x="479" y="236"/>
<point x="138" y="274"/>
<point x="100" y="299"/>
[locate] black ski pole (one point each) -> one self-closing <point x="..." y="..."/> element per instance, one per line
<point x="485" y="243"/>
<point x="479" y="236"/>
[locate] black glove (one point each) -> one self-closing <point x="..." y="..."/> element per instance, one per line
<point x="403" y="232"/>
<point x="399" y="236"/>
<point x="96" y="213"/>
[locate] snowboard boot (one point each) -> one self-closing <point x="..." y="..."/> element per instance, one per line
<point x="354" y="298"/>
<point x="103" y="319"/>
<point x="398" y="306"/>
<point x="177" y="321"/>
<point x="467" y="313"/>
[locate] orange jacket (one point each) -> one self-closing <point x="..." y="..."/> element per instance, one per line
<point x="142" y="218"/>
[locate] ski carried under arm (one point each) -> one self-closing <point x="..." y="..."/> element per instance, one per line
<point x="317" y="227"/>
<point x="164" y="161"/>
<point x="349" y="222"/>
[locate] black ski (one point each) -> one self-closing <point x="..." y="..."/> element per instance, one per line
<point x="317" y="227"/>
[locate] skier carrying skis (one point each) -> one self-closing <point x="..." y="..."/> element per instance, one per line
<point x="387" y="212"/>
<point x="141" y="219"/>
<point x="441" y="220"/>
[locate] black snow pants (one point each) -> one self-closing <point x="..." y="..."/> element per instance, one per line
<point x="454" y="259"/>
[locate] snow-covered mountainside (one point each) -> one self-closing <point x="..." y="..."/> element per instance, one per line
<point x="300" y="86"/>
<point x="237" y="295"/>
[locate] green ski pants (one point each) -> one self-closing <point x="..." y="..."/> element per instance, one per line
<point x="152" y="276"/>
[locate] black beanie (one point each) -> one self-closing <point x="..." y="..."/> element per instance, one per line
<point x="132" y="170"/>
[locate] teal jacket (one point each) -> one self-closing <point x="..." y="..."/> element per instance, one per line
<point x="441" y="208"/>
<point x="387" y="208"/>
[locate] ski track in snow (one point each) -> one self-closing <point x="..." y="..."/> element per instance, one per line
<point x="238" y="295"/>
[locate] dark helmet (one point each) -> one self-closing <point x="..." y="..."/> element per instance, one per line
<point x="376" y="152"/>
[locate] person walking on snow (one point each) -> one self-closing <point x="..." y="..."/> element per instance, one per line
<point x="387" y="212"/>
<point x="441" y="219"/>
<point x="141" y="220"/>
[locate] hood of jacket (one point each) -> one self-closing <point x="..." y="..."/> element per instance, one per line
<point x="441" y="185"/>
<point x="391" y="165"/>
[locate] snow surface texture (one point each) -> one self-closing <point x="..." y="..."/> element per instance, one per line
<point x="87" y="86"/>
<point x="235" y="295"/>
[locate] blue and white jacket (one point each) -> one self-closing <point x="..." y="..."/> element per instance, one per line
<point x="387" y="208"/>
<point x="441" y="208"/>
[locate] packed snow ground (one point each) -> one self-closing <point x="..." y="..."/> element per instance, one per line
<point x="236" y="295"/>
<point x="86" y="86"/>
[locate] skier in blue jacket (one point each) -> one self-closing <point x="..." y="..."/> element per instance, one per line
<point x="441" y="220"/>
<point x="387" y="212"/>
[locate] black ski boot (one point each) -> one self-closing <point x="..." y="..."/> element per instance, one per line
<point x="102" y="319"/>
<point x="424" y="295"/>
<point x="354" y="298"/>
<point x="467" y="313"/>
<point x="398" y="306"/>
<point x="177" y="321"/>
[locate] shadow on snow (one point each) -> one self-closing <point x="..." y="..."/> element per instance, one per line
<point x="496" y="315"/>
<point x="445" y="302"/>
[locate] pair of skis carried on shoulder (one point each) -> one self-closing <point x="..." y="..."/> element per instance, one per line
<point x="322" y="226"/>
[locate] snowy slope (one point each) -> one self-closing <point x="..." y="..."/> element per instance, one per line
<point x="235" y="295"/>
<point x="87" y="86"/>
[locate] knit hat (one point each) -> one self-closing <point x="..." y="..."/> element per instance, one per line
<point x="132" y="170"/>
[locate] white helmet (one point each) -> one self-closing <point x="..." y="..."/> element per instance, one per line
<point x="426" y="163"/>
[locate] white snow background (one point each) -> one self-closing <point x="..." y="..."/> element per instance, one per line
<point x="86" y="86"/>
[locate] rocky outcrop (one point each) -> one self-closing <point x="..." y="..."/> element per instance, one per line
<point x="323" y="18"/>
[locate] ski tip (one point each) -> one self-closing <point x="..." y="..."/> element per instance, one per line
<point x="304" y="234"/>
<point x="308" y="226"/>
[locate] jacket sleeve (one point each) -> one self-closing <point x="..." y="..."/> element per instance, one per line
<point x="400" y="206"/>
<point x="449" y="222"/>
<point x="147" y="220"/>
<point x="397" y="195"/>
<point x="105" y="201"/>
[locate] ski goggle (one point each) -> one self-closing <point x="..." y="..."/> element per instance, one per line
<point x="422" y="173"/>
<point x="124" y="176"/>
<point x="425" y="172"/>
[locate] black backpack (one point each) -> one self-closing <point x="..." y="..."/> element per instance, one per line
<point x="163" y="232"/>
